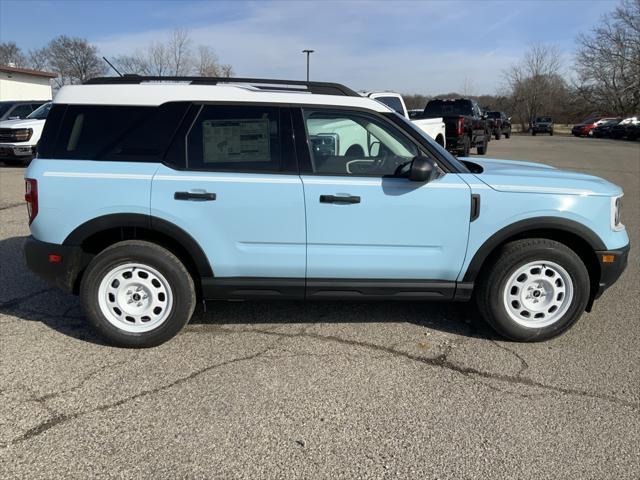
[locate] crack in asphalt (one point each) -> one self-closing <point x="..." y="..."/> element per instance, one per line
<point x="442" y="361"/>
<point x="12" y="205"/>
<point x="438" y="361"/>
<point x="523" y="363"/>
<point x="62" y="418"/>
<point x="82" y="383"/>
<point x="15" y="302"/>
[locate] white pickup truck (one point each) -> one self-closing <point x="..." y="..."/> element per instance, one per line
<point x="434" y="127"/>
<point x="19" y="138"/>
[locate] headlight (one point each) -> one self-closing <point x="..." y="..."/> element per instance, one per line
<point x="616" y="211"/>
<point x="22" y="134"/>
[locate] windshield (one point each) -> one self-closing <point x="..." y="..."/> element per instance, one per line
<point x="4" y="107"/>
<point x="411" y="126"/>
<point x="41" y="112"/>
<point x="543" y="120"/>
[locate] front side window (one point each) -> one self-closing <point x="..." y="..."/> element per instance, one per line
<point x="353" y="143"/>
<point x="236" y="138"/>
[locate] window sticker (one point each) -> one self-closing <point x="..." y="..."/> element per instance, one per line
<point x="243" y="140"/>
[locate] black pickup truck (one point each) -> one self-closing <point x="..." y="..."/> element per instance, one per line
<point x="466" y="126"/>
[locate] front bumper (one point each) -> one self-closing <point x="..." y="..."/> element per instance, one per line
<point x="8" y="150"/>
<point x="63" y="273"/>
<point x="612" y="264"/>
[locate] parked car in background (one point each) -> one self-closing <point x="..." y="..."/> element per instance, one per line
<point x="465" y="124"/>
<point x="542" y="125"/>
<point x="434" y="127"/>
<point x="625" y="127"/>
<point x="603" y="130"/>
<point x="18" y="109"/>
<point x="19" y="138"/>
<point x="586" y="127"/>
<point x="148" y="196"/>
<point x="499" y="124"/>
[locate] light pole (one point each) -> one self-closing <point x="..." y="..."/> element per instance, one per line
<point x="308" y="52"/>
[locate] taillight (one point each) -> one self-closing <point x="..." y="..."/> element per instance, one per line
<point x="31" y="196"/>
<point x="460" y="126"/>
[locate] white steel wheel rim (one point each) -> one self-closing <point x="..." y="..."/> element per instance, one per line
<point x="135" y="298"/>
<point x="538" y="294"/>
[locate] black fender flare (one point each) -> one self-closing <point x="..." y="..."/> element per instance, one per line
<point x="557" y="224"/>
<point x="123" y="220"/>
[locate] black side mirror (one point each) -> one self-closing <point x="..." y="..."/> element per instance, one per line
<point x="422" y="169"/>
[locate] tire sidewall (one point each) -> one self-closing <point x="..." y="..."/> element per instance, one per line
<point x="161" y="260"/>
<point x="500" y="319"/>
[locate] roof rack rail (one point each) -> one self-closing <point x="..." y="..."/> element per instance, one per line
<point x="321" y="88"/>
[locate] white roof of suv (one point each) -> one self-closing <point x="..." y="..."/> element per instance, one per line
<point x="149" y="91"/>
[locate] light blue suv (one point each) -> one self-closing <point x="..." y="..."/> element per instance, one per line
<point x="151" y="194"/>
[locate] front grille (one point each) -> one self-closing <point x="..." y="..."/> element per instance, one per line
<point x="8" y="135"/>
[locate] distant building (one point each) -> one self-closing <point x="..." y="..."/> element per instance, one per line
<point x="24" y="84"/>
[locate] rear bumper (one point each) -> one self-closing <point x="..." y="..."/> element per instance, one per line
<point x="455" y="144"/>
<point x="610" y="271"/>
<point x="62" y="274"/>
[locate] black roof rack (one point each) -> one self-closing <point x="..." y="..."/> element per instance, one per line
<point x="322" y="88"/>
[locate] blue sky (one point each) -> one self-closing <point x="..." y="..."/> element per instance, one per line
<point x="423" y="47"/>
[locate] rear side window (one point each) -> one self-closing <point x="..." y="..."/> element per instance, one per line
<point x="117" y="133"/>
<point x="237" y="138"/>
<point x="439" y="108"/>
<point x="392" y="102"/>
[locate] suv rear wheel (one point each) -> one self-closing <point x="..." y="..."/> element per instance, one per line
<point x="137" y="294"/>
<point x="535" y="290"/>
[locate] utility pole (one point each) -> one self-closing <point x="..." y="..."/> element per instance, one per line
<point x="308" y="52"/>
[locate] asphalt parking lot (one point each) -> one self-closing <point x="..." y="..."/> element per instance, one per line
<point x="324" y="390"/>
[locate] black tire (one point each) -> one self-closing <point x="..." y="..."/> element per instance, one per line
<point x="508" y="134"/>
<point x="466" y="147"/>
<point x="482" y="149"/>
<point x="498" y="136"/>
<point x="493" y="282"/>
<point x="551" y="133"/>
<point x="180" y="283"/>
<point x="533" y="132"/>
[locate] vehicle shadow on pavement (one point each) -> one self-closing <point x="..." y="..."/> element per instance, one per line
<point x="25" y="296"/>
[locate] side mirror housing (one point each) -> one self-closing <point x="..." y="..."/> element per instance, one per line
<point x="422" y="169"/>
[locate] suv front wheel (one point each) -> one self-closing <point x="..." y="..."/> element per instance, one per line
<point x="137" y="294"/>
<point x="535" y="290"/>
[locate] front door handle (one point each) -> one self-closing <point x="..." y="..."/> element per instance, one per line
<point x="202" y="196"/>
<point x="339" y="199"/>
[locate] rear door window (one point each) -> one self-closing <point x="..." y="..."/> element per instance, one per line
<point x="239" y="139"/>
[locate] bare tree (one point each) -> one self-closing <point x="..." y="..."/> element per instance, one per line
<point x="74" y="60"/>
<point x="38" y="59"/>
<point x="174" y="57"/>
<point x="179" y="52"/>
<point x="10" y="53"/>
<point x="608" y="61"/>
<point x="536" y="84"/>
<point x="208" y="65"/>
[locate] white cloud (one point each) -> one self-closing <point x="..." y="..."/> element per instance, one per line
<point x="366" y="45"/>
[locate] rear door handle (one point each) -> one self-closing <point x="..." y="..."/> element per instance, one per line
<point x="202" y="196"/>
<point x="339" y="199"/>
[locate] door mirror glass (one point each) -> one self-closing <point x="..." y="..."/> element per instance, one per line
<point x="423" y="169"/>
